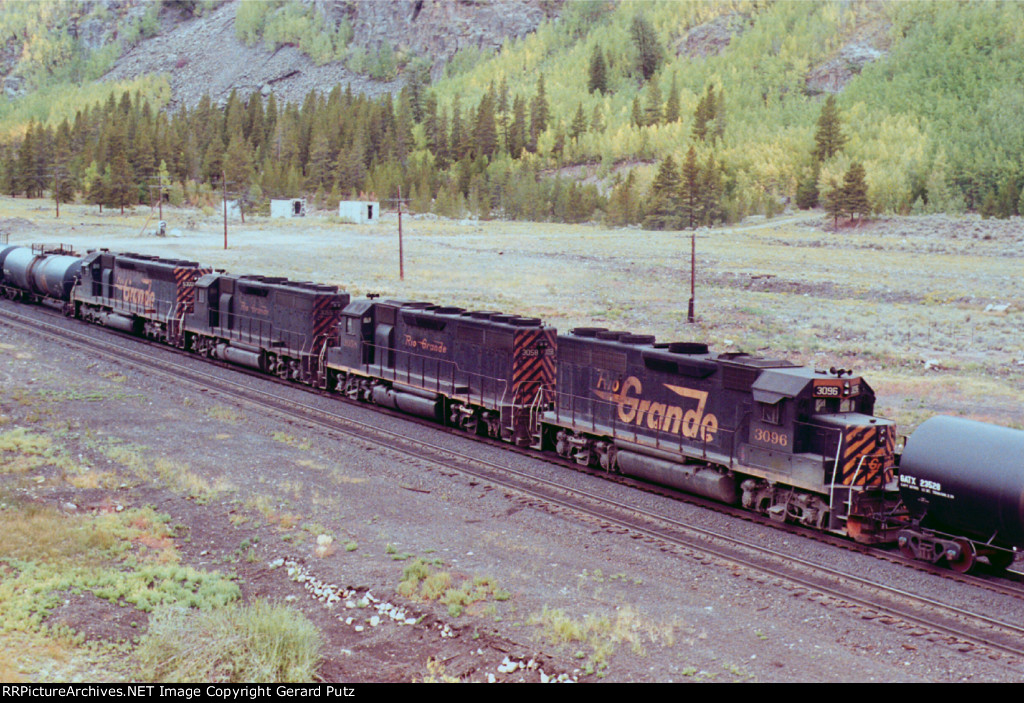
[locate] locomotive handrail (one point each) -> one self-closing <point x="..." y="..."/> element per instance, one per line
<point x="835" y="469"/>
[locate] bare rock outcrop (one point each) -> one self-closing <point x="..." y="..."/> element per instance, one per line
<point x="203" y="55"/>
<point x="833" y="75"/>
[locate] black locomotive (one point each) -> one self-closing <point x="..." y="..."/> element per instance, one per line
<point x="797" y="444"/>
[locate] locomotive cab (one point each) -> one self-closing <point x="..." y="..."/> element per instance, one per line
<point x="816" y="427"/>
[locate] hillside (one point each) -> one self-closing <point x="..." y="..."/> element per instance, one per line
<point x="599" y="93"/>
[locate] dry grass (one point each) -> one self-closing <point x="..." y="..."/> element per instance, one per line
<point x="259" y="643"/>
<point x="601" y="635"/>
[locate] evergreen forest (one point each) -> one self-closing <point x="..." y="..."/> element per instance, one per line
<point x="605" y="113"/>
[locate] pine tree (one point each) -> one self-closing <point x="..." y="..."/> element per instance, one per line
<point x="1008" y="198"/>
<point x="558" y="146"/>
<point x="350" y="168"/>
<point x="254" y="121"/>
<point x="213" y="160"/>
<point x="718" y="129"/>
<point x="807" y="188"/>
<point x="63" y="185"/>
<point x="648" y="47"/>
<point x="711" y="191"/>
<point x="238" y="165"/>
<point x="540" y="112"/>
<point x="598" y="76"/>
<point x="485" y="132"/>
<point x="622" y="204"/>
<point x="636" y="116"/>
<point x="652" y="110"/>
<point x="829" y="139"/>
<point x="691" y="191"/>
<point x="442" y="152"/>
<point x="502" y="116"/>
<point x="672" y="104"/>
<point x="455" y="140"/>
<point x="579" y="124"/>
<point x="121" y="185"/>
<point x="855" y="191"/>
<point x="704" y="114"/>
<point x="665" y="210"/>
<point x="989" y="206"/>
<point x="834" y="203"/>
<point x="517" y="130"/>
<point x="234" y="116"/>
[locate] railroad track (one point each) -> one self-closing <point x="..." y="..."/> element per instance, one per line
<point x="940" y="621"/>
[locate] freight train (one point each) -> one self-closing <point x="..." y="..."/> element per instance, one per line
<point x="798" y="445"/>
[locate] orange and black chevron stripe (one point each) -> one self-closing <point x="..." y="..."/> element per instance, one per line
<point x="325" y="320"/>
<point x="533" y="363"/>
<point x="185" y="278"/>
<point x="863" y="462"/>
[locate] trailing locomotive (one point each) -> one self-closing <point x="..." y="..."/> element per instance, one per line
<point x="136" y="293"/>
<point x="796" y="444"/>
<point x="272" y="324"/>
<point x="481" y="371"/>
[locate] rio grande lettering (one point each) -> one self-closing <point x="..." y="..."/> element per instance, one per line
<point x="138" y="296"/>
<point x="633" y="409"/>
<point x="425" y="345"/>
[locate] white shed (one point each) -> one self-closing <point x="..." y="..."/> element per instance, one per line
<point x="295" y="207"/>
<point x="360" y="212"/>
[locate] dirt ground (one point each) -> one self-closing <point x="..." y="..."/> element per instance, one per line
<point x="257" y="497"/>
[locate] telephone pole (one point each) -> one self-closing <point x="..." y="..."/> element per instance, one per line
<point x="693" y="275"/>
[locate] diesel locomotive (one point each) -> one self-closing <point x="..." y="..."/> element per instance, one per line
<point x="799" y="445"/>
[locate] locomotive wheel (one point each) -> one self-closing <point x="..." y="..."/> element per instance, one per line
<point x="965" y="561"/>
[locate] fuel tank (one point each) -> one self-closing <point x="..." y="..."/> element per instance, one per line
<point x="966" y="478"/>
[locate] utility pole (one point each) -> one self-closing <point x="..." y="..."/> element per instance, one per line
<point x="224" y="188"/>
<point x="693" y="274"/>
<point x="401" y="256"/>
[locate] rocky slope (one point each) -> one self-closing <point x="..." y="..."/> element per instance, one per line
<point x="202" y="54"/>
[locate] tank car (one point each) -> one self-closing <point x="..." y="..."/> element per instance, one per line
<point x="795" y="444"/>
<point x="482" y="371"/>
<point x="38" y="275"/>
<point x="963" y="483"/>
<point x="272" y="324"/>
<point x="138" y="293"/>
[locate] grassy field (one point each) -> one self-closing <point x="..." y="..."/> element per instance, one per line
<point x="928" y="309"/>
